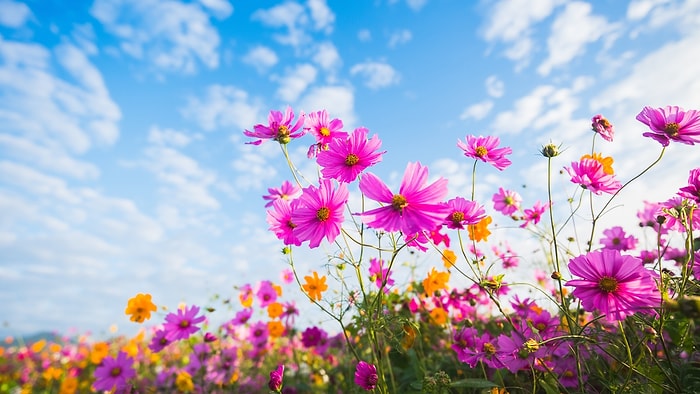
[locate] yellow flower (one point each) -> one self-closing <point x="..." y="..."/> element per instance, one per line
<point x="275" y="328"/>
<point x="183" y="381"/>
<point x="479" y="232"/>
<point x="315" y="286"/>
<point x="438" y="316"/>
<point x="140" y="308"/>
<point x="52" y="373"/>
<point x="606" y="162"/>
<point x="38" y="346"/>
<point x="275" y="310"/>
<point x="69" y="385"/>
<point x="449" y="258"/>
<point x="435" y="281"/>
<point x="99" y="351"/>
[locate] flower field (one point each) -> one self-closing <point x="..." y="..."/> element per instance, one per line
<point x="612" y="313"/>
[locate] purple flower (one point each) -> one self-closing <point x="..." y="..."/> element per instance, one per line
<point x="320" y="213"/>
<point x="617" y="239"/>
<point x="159" y="341"/>
<point x="279" y="128"/>
<point x="692" y="191"/>
<point x="313" y="336"/>
<point x="603" y="127"/>
<point x="366" y="375"/>
<point x="463" y="212"/>
<point x="506" y="202"/>
<point x="276" y="376"/>
<point x="671" y="124"/>
<point x="114" y="373"/>
<point x="486" y="149"/>
<point x="280" y="220"/>
<point x="288" y="191"/>
<point x="182" y="324"/>
<point x="616" y="285"/>
<point x="346" y="158"/>
<point x="266" y="293"/>
<point x="416" y="207"/>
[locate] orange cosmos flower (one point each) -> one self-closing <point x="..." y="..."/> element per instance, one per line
<point x="480" y="232"/>
<point x="435" y="281"/>
<point x="449" y="258"/>
<point x="606" y="162"/>
<point x="140" y="308"/>
<point x="315" y="286"/>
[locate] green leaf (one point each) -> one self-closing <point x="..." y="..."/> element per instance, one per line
<point x="474" y="383"/>
<point x="548" y="387"/>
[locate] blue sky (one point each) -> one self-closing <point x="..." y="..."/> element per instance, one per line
<point x="123" y="167"/>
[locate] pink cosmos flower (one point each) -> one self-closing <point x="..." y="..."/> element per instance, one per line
<point x="320" y="213"/>
<point x="279" y="128"/>
<point x="182" y="324"/>
<point x="288" y="191"/>
<point x="280" y="220"/>
<point x="616" y="285"/>
<point x="463" y="212"/>
<point x="378" y="273"/>
<point x="506" y="202"/>
<point x="324" y="130"/>
<point x="590" y="175"/>
<point x="114" y="373"/>
<point x="617" y="239"/>
<point x="472" y="348"/>
<point x="603" y="127"/>
<point x="258" y="334"/>
<point x="648" y="216"/>
<point x="534" y="214"/>
<point x="346" y="158"/>
<point x="417" y="207"/>
<point x="276" y="376"/>
<point x="669" y="210"/>
<point x="671" y="124"/>
<point x="366" y="375"/>
<point x="287" y="276"/>
<point x="692" y="191"/>
<point x="486" y="149"/>
<point x="266" y="293"/>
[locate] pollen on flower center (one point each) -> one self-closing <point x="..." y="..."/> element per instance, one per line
<point x="608" y="284"/>
<point x="671" y="129"/>
<point x="290" y="224"/>
<point x="184" y="324"/>
<point x="324" y="131"/>
<point x="480" y="151"/>
<point x="489" y="348"/>
<point x="351" y="159"/>
<point x="457" y="217"/>
<point x="398" y="202"/>
<point x="323" y="214"/>
<point x="282" y="131"/>
<point x="116" y="371"/>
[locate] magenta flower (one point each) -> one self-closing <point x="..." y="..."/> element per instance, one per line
<point x="617" y="239"/>
<point x="486" y="149"/>
<point x="616" y="285"/>
<point x="603" y="127"/>
<point x="417" y="207"/>
<point x="182" y="324"/>
<point x="266" y="293"/>
<point x="288" y="191"/>
<point x="649" y="214"/>
<point x="366" y="375"/>
<point x="378" y="273"/>
<point x="280" y="220"/>
<point x="671" y="124"/>
<point x="590" y="175"/>
<point x="320" y="213"/>
<point x="258" y="334"/>
<point x="159" y="341"/>
<point x="346" y="158"/>
<point x="463" y="212"/>
<point x="472" y="348"/>
<point x="534" y="214"/>
<point x="506" y="202"/>
<point x="692" y="191"/>
<point x="114" y="373"/>
<point x="276" y="376"/>
<point x="313" y="336"/>
<point x="279" y="128"/>
<point x="324" y="130"/>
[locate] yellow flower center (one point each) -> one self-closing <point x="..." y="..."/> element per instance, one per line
<point x="184" y="324"/>
<point x="481" y="151"/>
<point x="290" y="224"/>
<point x="488" y="348"/>
<point x="508" y="200"/>
<point x="351" y="160"/>
<point x="671" y="129"/>
<point x="323" y="214"/>
<point x="116" y="371"/>
<point x="398" y="202"/>
<point x="457" y="218"/>
<point x="324" y="131"/>
<point x="283" y="135"/>
<point x="608" y="284"/>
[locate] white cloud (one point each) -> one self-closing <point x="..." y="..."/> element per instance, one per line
<point x="261" y="57"/>
<point x="416" y="5"/>
<point x="321" y="15"/>
<point x="377" y="74"/>
<point x="494" y="86"/>
<point x="14" y="14"/>
<point x="171" y="137"/>
<point x="364" y="35"/>
<point x="223" y="106"/>
<point x="37" y="183"/>
<point x="295" y="81"/>
<point x="572" y="30"/>
<point x="289" y="15"/>
<point x="254" y="171"/>
<point x="399" y="37"/>
<point x="511" y="22"/>
<point x="477" y="111"/>
<point x="683" y="16"/>
<point x="53" y="159"/>
<point x="639" y="9"/>
<point x="327" y="56"/>
<point x="339" y="101"/>
<point x="174" y="36"/>
<point x="222" y="9"/>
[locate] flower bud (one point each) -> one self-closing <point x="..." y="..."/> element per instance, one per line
<point x="550" y="150"/>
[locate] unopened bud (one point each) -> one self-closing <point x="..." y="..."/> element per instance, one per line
<point x="550" y="150"/>
<point x="556" y="275"/>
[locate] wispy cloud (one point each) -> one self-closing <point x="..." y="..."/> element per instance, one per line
<point x="399" y="37"/>
<point x="14" y="14"/>
<point x="261" y="57"/>
<point x="477" y="111"/>
<point x="223" y="106"/>
<point x="377" y="75"/>
<point x="295" y="81"/>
